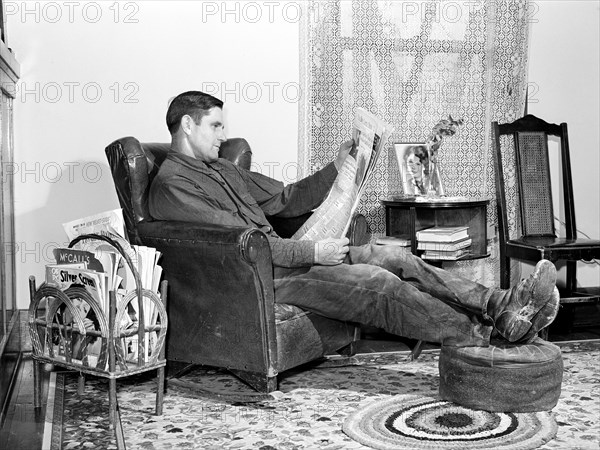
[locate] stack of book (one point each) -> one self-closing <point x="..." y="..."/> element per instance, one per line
<point x="444" y="243"/>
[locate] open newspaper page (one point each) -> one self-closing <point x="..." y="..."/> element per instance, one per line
<point x="332" y="218"/>
<point x="108" y="222"/>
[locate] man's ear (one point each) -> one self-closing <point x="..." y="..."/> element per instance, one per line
<point x="186" y="124"/>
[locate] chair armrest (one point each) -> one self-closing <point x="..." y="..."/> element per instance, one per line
<point x="358" y="231"/>
<point x="221" y="297"/>
<point x="190" y="234"/>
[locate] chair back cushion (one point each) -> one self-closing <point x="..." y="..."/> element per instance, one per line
<point x="134" y="165"/>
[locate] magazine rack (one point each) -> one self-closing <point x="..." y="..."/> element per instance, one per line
<point x="54" y="317"/>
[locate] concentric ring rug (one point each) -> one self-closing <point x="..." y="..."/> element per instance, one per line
<point x="419" y="422"/>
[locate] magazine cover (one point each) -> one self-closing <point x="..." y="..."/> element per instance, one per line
<point x="65" y="276"/>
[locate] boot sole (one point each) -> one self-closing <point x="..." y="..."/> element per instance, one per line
<point x="544" y="283"/>
<point x="544" y="317"/>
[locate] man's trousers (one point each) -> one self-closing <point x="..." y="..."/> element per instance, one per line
<point x="387" y="287"/>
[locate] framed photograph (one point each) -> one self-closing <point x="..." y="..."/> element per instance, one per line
<point x="413" y="162"/>
<point x="419" y="176"/>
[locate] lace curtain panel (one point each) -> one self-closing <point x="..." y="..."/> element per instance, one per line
<point x="413" y="63"/>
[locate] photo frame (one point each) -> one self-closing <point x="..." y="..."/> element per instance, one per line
<point x="420" y="175"/>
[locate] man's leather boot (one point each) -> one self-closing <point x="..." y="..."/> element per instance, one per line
<point x="544" y="317"/>
<point x="513" y="310"/>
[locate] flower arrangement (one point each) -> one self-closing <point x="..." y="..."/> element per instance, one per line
<point x="445" y="127"/>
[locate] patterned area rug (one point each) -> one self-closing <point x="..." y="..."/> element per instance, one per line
<point x="308" y="412"/>
<point x="413" y="422"/>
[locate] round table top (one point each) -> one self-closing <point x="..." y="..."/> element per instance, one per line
<point x="435" y="202"/>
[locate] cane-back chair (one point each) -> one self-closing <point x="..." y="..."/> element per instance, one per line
<point x="524" y="143"/>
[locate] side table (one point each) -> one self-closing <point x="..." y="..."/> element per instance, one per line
<point x="404" y="216"/>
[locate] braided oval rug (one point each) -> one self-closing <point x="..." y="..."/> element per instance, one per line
<point x="418" y="422"/>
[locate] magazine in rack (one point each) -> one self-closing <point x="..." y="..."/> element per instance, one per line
<point x="100" y="268"/>
<point x="332" y="218"/>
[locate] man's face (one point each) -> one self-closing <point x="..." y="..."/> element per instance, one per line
<point x="206" y="137"/>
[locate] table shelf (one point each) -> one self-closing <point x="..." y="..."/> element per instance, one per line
<point x="408" y="215"/>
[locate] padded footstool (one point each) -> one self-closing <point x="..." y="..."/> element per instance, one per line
<point x="502" y="377"/>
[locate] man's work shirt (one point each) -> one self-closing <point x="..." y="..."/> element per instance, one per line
<point x="190" y="190"/>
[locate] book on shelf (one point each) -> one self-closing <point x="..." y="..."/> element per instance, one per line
<point x="400" y="241"/>
<point x="443" y="234"/>
<point x="446" y="255"/>
<point x="444" y="246"/>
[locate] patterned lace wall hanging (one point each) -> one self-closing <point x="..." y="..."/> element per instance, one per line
<point x="414" y="63"/>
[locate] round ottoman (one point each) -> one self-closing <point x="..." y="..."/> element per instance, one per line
<point x="502" y="377"/>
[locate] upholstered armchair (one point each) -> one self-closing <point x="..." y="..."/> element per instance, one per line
<point x="221" y="304"/>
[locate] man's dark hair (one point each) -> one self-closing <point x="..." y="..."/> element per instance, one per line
<point x="196" y="104"/>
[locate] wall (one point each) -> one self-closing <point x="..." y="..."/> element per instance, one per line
<point x="96" y="71"/>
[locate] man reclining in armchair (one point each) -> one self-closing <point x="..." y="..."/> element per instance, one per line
<point x="382" y="286"/>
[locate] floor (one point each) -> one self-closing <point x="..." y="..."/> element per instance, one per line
<point x="211" y="409"/>
<point x="23" y="425"/>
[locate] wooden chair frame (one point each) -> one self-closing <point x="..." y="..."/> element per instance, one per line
<point x="537" y="238"/>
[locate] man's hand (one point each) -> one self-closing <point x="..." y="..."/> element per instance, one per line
<point x="342" y="153"/>
<point x="330" y="252"/>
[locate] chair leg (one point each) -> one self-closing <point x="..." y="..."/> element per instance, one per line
<point x="259" y="381"/>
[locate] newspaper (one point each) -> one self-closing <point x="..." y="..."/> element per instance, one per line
<point x="108" y="222"/>
<point x="332" y="219"/>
